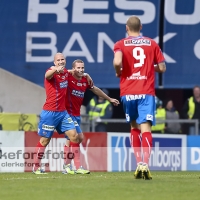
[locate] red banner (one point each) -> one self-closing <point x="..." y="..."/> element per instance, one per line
<point x="93" y="151"/>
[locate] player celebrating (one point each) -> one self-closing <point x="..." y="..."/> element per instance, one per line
<point x="54" y="114"/>
<point x="77" y="85"/>
<point x="134" y="59"/>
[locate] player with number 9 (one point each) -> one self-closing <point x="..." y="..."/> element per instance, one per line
<point x="134" y="60"/>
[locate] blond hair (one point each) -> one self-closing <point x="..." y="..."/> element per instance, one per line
<point x="134" y="23"/>
<point x="76" y="61"/>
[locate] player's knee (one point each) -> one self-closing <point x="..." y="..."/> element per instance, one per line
<point x="73" y="136"/>
<point x="44" y="141"/>
<point x="80" y="137"/>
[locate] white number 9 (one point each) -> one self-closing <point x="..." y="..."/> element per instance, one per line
<point x="138" y="54"/>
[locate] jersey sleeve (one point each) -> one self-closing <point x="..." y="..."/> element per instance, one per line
<point x="84" y="79"/>
<point x="158" y="55"/>
<point x="89" y="86"/>
<point x="49" y="80"/>
<point x="117" y="47"/>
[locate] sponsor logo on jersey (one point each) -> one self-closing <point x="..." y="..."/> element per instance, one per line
<point x="78" y="93"/>
<point x="137" y="42"/>
<point x="79" y="84"/>
<point x="132" y="77"/>
<point x="136" y="76"/>
<point x="47" y="127"/>
<point x="63" y="84"/>
<point x="134" y="97"/>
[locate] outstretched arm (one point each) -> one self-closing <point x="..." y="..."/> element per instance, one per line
<point x="100" y="93"/>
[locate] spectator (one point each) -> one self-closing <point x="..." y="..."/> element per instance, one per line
<point x="191" y="108"/>
<point x="99" y="108"/>
<point x="160" y="115"/>
<point x="171" y="113"/>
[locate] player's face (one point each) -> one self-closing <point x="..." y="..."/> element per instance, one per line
<point x="59" y="60"/>
<point x="79" y="69"/>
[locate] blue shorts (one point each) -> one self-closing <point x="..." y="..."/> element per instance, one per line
<point x="51" y="120"/>
<point x="77" y="123"/>
<point x="140" y="108"/>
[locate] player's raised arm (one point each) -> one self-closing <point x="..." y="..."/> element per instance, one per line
<point x="49" y="74"/>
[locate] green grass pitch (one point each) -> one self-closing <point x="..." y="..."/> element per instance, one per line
<point x="100" y="186"/>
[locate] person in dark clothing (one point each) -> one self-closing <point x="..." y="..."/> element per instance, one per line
<point x="191" y="109"/>
<point x="171" y="113"/>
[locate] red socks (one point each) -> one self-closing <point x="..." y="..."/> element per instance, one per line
<point x="39" y="152"/>
<point x="146" y="146"/>
<point x="145" y="142"/>
<point x="68" y="156"/>
<point x="75" y="148"/>
<point x="136" y="144"/>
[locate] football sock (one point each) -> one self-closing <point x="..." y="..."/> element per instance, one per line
<point x="39" y="152"/>
<point x="75" y="148"/>
<point x="68" y="156"/>
<point x="146" y="146"/>
<point x="136" y="144"/>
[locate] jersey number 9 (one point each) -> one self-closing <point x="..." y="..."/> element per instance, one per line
<point x="138" y="54"/>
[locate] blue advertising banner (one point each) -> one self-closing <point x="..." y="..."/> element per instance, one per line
<point x="168" y="153"/>
<point x="193" y="153"/>
<point x="32" y="31"/>
<point x="182" y="43"/>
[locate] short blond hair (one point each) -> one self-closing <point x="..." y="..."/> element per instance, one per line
<point x="76" y="61"/>
<point x="134" y="23"/>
